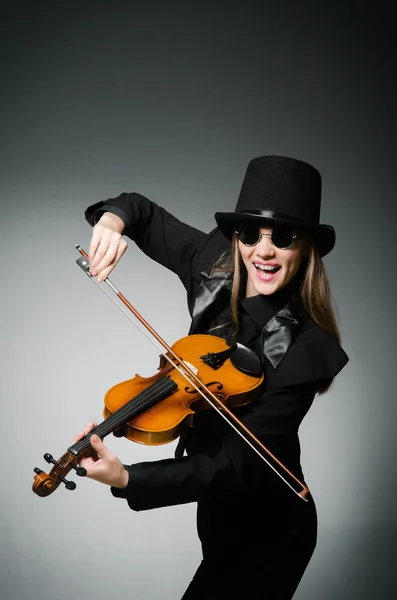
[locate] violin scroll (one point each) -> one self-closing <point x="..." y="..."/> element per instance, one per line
<point x="44" y="485"/>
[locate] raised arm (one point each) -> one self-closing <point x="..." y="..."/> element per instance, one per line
<point x="160" y="235"/>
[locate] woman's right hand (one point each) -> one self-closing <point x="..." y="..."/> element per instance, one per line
<point x="107" y="245"/>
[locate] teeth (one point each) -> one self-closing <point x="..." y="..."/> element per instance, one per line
<point x="265" y="267"/>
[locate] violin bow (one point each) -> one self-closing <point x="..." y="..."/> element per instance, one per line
<point x="300" y="489"/>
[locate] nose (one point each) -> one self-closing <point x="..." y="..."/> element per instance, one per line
<point x="265" y="245"/>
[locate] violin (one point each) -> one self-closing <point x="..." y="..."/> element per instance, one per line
<point x="197" y="372"/>
<point x="152" y="410"/>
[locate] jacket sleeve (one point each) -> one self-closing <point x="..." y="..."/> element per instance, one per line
<point x="226" y="464"/>
<point x="160" y="235"/>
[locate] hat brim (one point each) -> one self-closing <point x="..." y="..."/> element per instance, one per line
<point x="322" y="235"/>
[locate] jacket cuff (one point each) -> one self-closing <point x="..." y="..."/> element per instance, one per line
<point x="123" y="492"/>
<point x="97" y="214"/>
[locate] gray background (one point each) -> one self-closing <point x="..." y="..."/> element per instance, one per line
<point x="172" y="100"/>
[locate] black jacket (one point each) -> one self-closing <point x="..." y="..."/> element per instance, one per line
<point x="239" y="497"/>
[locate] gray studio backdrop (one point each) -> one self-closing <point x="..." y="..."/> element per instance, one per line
<point x="172" y="100"/>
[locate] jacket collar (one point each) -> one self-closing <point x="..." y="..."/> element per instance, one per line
<point x="211" y="308"/>
<point x="262" y="308"/>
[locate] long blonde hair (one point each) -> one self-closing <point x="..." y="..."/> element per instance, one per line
<point x="316" y="300"/>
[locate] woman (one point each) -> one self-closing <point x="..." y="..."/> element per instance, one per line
<point x="270" y="292"/>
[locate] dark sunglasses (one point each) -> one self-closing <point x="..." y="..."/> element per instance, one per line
<point x="281" y="237"/>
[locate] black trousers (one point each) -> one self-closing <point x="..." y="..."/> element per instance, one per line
<point x="261" y="572"/>
<point x="220" y="582"/>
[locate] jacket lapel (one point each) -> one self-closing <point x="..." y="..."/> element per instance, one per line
<point x="212" y="297"/>
<point x="278" y="335"/>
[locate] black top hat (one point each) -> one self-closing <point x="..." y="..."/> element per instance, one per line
<point x="280" y="191"/>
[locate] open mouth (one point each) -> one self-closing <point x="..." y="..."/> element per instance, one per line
<point x="266" y="271"/>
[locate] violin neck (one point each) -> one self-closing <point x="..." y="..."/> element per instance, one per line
<point x="156" y="392"/>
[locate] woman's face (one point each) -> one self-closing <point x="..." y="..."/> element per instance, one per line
<point x="270" y="268"/>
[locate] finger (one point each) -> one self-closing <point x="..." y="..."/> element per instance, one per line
<point x="120" y="251"/>
<point x="105" y="273"/>
<point x="87" y="463"/>
<point x="109" y="256"/>
<point x="89" y="427"/>
<point x="100" y="448"/>
<point x="95" y="240"/>
<point x="100" y="251"/>
<point x="91" y="467"/>
<point x="85" y="431"/>
<point x="78" y="437"/>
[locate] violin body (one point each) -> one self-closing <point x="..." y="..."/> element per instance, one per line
<point x="163" y="422"/>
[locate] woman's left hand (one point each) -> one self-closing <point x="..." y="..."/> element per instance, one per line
<point x="107" y="468"/>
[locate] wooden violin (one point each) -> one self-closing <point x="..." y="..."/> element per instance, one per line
<point x="153" y="410"/>
<point x="198" y="371"/>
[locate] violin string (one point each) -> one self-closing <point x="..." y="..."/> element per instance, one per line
<point x="140" y="402"/>
<point x="185" y="375"/>
<point x="123" y="414"/>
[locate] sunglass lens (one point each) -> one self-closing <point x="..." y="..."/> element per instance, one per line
<point x="282" y="238"/>
<point x="248" y="235"/>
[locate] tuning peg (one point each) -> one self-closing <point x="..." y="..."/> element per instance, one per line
<point x="49" y="458"/>
<point x="81" y="472"/>
<point x="70" y="485"/>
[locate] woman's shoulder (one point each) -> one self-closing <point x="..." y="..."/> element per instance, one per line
<point x="314" y="356"/>
<point x="320" y="345"/>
